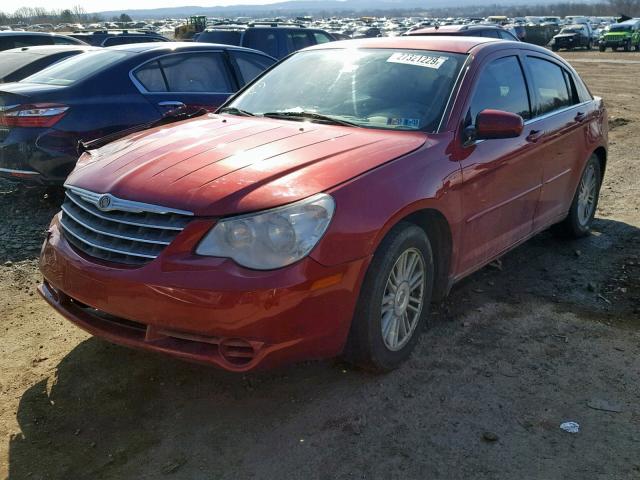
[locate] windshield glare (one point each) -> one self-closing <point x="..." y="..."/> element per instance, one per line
<point x="76" y="68"/>
<point x="376" y="88"/>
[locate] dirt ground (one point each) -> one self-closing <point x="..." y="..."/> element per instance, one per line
<point x="552" y="336"/>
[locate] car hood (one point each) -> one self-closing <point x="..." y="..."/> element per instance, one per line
<point x="221" y="165"/>
<point x="566" y="35"/>
<point x="617" y="34"/>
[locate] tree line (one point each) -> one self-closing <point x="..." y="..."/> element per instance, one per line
<point x="36" y="15"/>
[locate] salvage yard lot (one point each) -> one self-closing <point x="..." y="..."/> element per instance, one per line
<point x="550" y="334"/>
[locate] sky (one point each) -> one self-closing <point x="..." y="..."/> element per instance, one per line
<point x="9" y="6"/>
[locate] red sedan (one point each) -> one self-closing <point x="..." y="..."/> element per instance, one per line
<point x="325" y="207"/>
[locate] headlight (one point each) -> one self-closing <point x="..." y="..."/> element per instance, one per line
<point x="273" y="238"/>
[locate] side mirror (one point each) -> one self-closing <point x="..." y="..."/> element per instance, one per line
<point x="492" y="124"/>
<point x="498" y="124"/>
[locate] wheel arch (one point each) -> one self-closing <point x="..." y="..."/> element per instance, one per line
<point x="601" y="153"/>
<point x="438" y="230"/>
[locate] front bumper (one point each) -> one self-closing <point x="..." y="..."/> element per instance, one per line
<point x="207" y="310"/>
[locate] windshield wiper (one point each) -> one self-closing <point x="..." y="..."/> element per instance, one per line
<point x="236" y="111"/>
<point x="177" y="115"/>
<point x="310" y="116"/>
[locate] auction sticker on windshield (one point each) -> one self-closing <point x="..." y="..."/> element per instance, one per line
<point x="417" y="60"/>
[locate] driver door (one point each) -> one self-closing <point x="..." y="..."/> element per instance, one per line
<point x="501" y="177"/>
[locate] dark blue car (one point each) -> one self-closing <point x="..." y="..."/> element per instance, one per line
<point x="94" y="94"/>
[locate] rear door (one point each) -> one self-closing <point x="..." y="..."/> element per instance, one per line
<point x="562" y="114"/>
<point x="196" y="79"/>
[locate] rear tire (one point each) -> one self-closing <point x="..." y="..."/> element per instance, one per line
<point x="394" y="300"/>
<point x="602" y="48"/>
<point x="585" y="201"/>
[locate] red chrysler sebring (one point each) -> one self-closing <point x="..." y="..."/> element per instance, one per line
<point x="324" y="207"/>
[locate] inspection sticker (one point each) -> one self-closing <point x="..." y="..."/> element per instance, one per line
<point x="417" y="60"/>
<point x="404" y="122"/>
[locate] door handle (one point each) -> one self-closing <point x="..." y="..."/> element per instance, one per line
<point x="535" y="135"/>
<point x="173" y="104"/>
<point x="580" y="116"/>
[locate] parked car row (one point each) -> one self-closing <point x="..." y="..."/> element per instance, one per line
<point x="320" y="210"/>
<point x="102" y="91"/>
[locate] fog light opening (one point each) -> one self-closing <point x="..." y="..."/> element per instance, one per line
<point x="236" y="351"/>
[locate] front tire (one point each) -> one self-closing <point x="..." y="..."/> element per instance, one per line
<point x="585" y="201"/>
<point x="394" y="300"/>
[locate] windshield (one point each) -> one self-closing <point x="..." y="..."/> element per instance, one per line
<point x="620" y="28"/>
<point x="76" y="68"/>
<point x="375" y="88"/>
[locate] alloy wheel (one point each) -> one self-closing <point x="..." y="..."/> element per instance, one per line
<point x="403" y="299"/>
<point x="587" y="195"/>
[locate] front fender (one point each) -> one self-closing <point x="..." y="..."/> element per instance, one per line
<point x="368" y="206"/>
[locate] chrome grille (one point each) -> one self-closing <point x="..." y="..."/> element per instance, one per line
<point x="116" y="230"/>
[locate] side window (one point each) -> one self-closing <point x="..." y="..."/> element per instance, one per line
<point x="151" y="78"/>
<point x="505" y="35"/>
<point x="573" y="93"/>
<point x="501" y="86"/>
<point x="297" y="40"/>
<point x="491" y="33"/>
<point x="63" y="41"/>
<point x="321" y="37"/>
<point x="550" y="86"/>
<point x="250" y="64"/>
<point x="197" y="72"/>
<point x="263" y="40"/>
<point x="31" y="41"/>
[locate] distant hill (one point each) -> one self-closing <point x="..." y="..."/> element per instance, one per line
<point x="310" y="7"/>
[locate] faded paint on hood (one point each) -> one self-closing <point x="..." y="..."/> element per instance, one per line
<point x="224" y="164"/>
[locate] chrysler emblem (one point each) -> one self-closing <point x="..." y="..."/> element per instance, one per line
<point x="104" y="202"/>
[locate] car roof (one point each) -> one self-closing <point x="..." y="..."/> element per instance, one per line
<point x="10" y="33"/>
<point x="453" y="28"/>
<point x="51" y="49"/>
<point x="115" y="33"/>
<point x="179" y="46"/>
<point x="452" y="44"/>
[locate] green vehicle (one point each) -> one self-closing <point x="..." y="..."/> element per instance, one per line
<point x="625" y="35"/>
